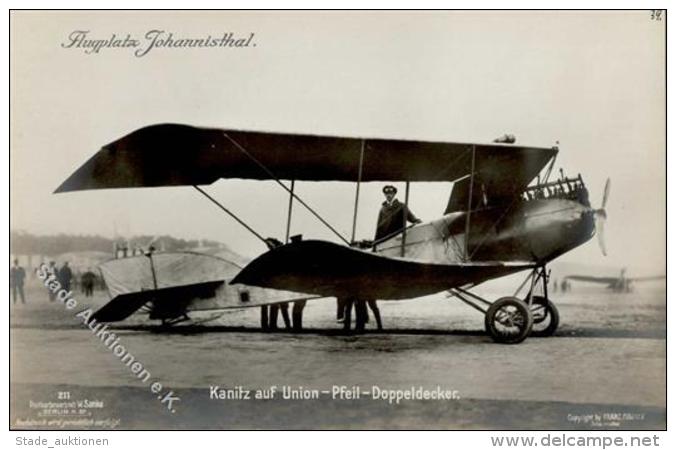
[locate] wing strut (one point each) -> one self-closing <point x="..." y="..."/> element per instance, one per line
<point x="469" y="203"/>
<point x="272" y="176"/>
<point x="403" y="237"/>
<point x="288" y="217"/>
<point x="356" y="194"/>
<point x="495" y="223"/>
<point x="551" y="166"/>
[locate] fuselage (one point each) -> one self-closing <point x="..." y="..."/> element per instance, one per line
<point x="534" y="230"/>
<point x="460" y="248"/>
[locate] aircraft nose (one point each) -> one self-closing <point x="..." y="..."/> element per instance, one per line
<point x="585" y="223"/>
<point x="559" y="226"/>
<point x="576" y="214"/>
<point x="584" y="213"/>
<point x="578" y="223"/>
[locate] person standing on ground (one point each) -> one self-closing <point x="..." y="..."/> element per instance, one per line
<point x="52" y="271"/>
<point x="87" y="282"/>
<point x="17" y="275"/>
<point x="376" y="313"/>
<point x="65" y="276"/>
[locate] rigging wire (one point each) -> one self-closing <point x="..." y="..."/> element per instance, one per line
<point x="231" y="214"/>
<point x="272" y="176"/>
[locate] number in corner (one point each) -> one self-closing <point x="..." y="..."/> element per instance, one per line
<point x="656" y="14"/>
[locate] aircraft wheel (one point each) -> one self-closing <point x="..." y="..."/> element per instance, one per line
<point x="509" y="320"/>
<point x="545" y="317"/>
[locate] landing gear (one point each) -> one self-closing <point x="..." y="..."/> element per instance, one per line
<point x="509" y="320"/>
<point x="545" y="316"/>
<point x="545" y="313"/>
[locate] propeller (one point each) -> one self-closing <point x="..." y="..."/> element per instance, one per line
<point x="600" y="217"/>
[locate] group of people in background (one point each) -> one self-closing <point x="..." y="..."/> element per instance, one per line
<point x="565" y="286"/>
<point x="86" y="281"/>
<point x="64" y="275"/>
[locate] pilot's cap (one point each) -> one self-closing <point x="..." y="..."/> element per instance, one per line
<point x="389" y="189"/>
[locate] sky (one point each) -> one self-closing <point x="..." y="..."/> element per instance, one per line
<point x="592" y="81"/>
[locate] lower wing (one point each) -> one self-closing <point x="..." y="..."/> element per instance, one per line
<point x="331" y="270"/>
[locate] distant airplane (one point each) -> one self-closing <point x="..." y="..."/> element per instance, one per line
<point x="616" y="284"/>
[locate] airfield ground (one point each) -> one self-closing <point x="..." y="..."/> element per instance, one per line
<point x="604" y="369"/>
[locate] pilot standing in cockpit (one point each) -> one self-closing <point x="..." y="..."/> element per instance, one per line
<point x="392" y="213"/>
<point x="390" y="222"/>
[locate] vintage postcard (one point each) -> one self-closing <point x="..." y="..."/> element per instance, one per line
<point x="337" y="220"/>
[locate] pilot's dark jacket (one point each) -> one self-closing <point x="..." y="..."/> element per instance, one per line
<point x="391" y="218"/>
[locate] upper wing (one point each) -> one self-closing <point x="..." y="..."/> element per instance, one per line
<point x="331" y="270"/>
<point x="174" y="155"/>
<point x="603" y="280"/>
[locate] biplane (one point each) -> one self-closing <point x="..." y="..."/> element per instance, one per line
<point x="621" y="283"/>
<point x="504" y="215"/>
